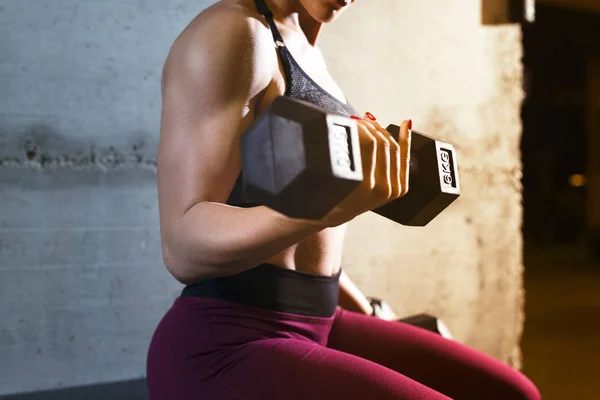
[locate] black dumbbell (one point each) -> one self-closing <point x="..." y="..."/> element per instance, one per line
<point x="302" y="161"/>
<point x="429" y="322"/>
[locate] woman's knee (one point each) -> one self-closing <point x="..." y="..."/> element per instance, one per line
<point x="524" y="388"/>
<point x="499" y="381"/>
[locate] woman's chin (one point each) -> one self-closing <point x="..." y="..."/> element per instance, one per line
<point x="327" y="11"/>
<point x="329" y="15"/>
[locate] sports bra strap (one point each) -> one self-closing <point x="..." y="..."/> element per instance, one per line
<point x="264" y="10"/>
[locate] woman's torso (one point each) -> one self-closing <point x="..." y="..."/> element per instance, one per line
<point x="320" y="253"/>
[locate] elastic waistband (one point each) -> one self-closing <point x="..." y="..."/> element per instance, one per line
<point x="275" y="289"/>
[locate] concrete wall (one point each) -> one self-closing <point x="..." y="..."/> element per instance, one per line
<point x="434" y="62"/>
<point x="82" y="284"/>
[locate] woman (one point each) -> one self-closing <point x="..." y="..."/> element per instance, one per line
<point x="259" y="317"/>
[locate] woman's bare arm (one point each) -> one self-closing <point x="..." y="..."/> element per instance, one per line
<point x="352" y="298"/>
<point x="213" y="76"/>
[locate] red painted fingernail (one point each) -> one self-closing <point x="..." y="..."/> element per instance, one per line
<point x="370" y="116"/>
<point x="354" y="117"/>
<point x="410" y="124"/>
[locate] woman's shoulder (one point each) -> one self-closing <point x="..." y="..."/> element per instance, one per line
<point x="225" y="29"/>
<point x="229" y="21"/>
<point x="226" y="43"/>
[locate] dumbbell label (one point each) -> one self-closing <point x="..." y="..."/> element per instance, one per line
<point x="340" y="147"/>
<point x="445" y="164"/>
<point x="447" y="167"/>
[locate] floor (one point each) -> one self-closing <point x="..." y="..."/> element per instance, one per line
<point x="561" y="340"/>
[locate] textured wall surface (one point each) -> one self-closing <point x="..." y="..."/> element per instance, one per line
<point x="434" y="62"/>
<point x="82" y="283"/>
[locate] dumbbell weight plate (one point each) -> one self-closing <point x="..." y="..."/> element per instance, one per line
<point x="300" y="160"/>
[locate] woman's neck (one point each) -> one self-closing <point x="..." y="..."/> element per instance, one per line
<point x="292" y="14"/>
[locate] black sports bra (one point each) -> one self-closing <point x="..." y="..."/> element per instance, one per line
<point x="298" y="86"/>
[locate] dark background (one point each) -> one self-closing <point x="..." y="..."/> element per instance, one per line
<point x="561" y="343"/>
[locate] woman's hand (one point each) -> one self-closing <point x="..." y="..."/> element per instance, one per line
<point x="381" y="309"/>
<point x="385" y="165"/>
<point x="352" y="299"/>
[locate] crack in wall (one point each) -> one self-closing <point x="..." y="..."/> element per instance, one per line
<point x="103" y="159"/>
<point x="41" y="147"/>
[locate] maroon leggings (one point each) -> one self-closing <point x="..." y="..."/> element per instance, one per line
<point x="218" y="350"/>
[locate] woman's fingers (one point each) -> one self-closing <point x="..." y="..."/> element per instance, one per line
<point x="394" y="158"/>
<point x="368" y="152"/>
<point x="383" y="182"/>
<point x="385" y="162"/>
<point x="404" y="142"/>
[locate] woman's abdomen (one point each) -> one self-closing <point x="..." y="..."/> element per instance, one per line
<point x="319" y="254"/>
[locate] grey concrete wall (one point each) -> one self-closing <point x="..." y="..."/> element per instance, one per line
<point x="82" y="283"/>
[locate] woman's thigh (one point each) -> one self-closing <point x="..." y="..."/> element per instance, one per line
<point x="444" y="365"/>
<point x="298" y="370"/>
<point x="192" y="357"/>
